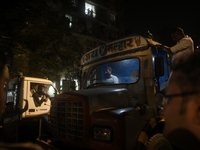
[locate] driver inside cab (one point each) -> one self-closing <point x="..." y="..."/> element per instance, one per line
<point x="109" y="77"/>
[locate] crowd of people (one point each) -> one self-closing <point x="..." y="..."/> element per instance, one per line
<point x="182" y="96"/>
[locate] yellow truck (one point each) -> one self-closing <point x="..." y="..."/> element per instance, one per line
<point x="117" y="107"/>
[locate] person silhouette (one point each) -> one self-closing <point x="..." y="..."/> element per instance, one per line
<point x="109" y="77"/>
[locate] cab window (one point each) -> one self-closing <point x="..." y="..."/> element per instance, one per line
<point x="116" y="72"/>
<point x="49" y="89"/>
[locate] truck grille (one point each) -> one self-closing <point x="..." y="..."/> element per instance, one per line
<point x="66" y="119"/>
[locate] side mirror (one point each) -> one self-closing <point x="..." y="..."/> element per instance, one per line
<point x="15" y="87"/>
<point x="159" y="66"/>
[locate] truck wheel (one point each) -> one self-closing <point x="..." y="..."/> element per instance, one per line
<point x="158" y="142"/>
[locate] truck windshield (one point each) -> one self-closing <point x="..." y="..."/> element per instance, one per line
<point x="49" y="89"/>
<point x="116" y="72"/>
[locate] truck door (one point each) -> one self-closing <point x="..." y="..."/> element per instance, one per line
<point x="162" y="79"/>
<point x="43" y="109"/>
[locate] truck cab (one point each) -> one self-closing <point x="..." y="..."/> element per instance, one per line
<point x="22" y="88"/>
<point x="118" y="111"/>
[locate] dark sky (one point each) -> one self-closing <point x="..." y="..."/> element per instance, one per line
<point x="154" y="15"/>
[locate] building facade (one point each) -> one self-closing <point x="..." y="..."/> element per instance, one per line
<point x="96" y="22"/>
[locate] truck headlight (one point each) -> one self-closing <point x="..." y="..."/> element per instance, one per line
<point x="103" y="134"/>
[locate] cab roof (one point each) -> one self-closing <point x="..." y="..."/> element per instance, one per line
<point x="132" y="43"/>
<point x="36" y="79"/>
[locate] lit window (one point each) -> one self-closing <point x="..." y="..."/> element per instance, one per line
<point x="74" y="2"/>
<point x="90" y="10"/>
<point x="112" y="18"/>
<point x="70" y="20"/>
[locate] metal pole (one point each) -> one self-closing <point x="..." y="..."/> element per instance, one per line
<point x="40" y="127"/>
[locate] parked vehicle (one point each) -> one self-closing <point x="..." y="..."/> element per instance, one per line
<point x="113" y="115"/>
<point x="22" y="88"/>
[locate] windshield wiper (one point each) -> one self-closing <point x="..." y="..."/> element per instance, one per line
<point x="96" y="84"/>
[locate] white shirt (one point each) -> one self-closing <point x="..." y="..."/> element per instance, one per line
<point x="182" y="49"/>
<point x="112" y="79"/>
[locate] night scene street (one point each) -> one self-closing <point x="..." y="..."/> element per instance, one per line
<point x="99" y="75"/>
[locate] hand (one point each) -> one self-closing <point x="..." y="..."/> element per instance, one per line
<point x="159" y="45"/>
<point x="44" y="97"/>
